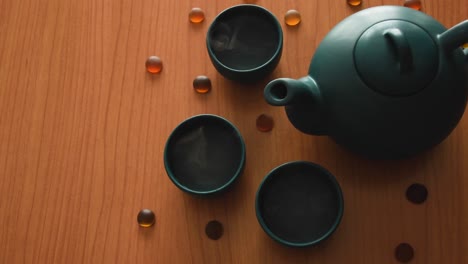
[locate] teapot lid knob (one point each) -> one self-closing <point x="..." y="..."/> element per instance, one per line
<point x="396" y="58"/>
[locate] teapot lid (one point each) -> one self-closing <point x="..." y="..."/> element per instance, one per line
<point x="396" y="58"/>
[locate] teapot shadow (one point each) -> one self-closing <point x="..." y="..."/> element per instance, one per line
<point x="352" y="166"/>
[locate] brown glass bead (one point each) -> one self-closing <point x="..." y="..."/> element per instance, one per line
<point x="202" y="84"/>
<point x="146" y="218"/>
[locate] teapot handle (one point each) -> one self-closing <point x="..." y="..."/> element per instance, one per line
<point x="454" y="37"/>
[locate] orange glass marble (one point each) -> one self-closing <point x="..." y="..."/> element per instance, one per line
<point x="292" y="18"/>
<point x="196" y="15"/>
<point x="414" y="4"/>
<point x="154" y="64"/>
<point x="354" y="2"/>
<point x="264" y="123"/>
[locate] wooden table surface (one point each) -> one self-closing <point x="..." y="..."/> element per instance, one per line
<point x="83" y="127"/>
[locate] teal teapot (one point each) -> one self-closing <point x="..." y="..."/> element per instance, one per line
<point x="387" y="82"/>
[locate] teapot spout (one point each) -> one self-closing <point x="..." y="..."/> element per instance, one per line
<point x="285" y="91"/>
<point x="302" y="101"/>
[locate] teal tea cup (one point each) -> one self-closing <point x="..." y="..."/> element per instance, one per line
<point x="244" y="43"/>
<point x="299" y="204"/>
<point x="204" y="155"/>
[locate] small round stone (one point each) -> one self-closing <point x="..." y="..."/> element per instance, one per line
<point x="404" y="253"/>
<point x="416" y="193"/>
<point x="214" y="230"/>
<point x="264" y="123"/>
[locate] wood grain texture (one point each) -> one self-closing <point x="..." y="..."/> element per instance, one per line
<point x="83" y="127"/>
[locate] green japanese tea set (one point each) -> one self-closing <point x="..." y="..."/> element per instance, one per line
<point x="388" y="82"/>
